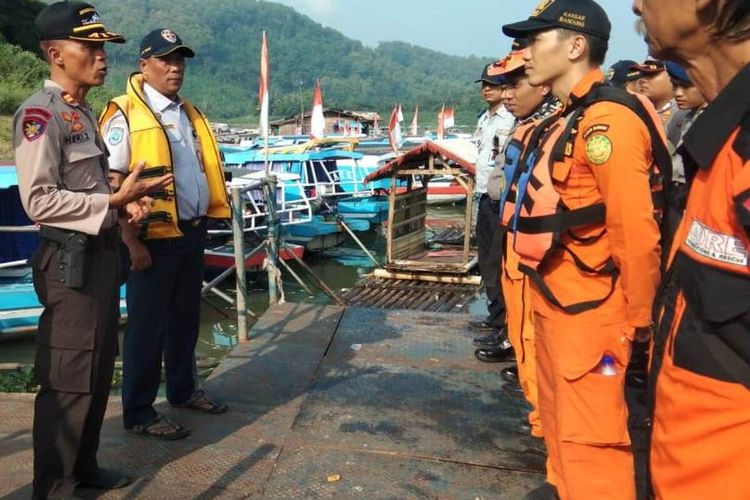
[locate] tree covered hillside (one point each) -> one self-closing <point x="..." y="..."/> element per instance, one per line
<point x="223" y="78"/>
<point x="226" y="37"/>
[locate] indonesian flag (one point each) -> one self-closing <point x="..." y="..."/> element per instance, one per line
<point x="263" y="90"/>
<point x="441" y="123"/>
<point x="414" y="127"/>
<point x="317" y="121"/>
<point x="394" y="130"/>
<point x="449" y="118"/>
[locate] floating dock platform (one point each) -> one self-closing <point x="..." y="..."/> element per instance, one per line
<point x="325" y="402"/>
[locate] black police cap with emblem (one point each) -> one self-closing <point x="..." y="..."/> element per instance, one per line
<point x="650" y="67"/>
<point x="73" y="21"/>
<point x="163" y="41"/>
<point x="583" y="16"/>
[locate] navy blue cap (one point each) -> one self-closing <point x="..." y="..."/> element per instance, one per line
<point x="163" y="41"/>
<point x="492" y="74"/>
<point x="677" y="72"/>
<point x="623" y="72"/>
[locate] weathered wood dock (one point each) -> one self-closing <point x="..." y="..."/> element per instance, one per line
<point x="325" y="402"/>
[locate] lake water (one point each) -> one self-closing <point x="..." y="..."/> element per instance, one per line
<point x="339" y="268"/>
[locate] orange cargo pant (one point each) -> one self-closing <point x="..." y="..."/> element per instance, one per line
<point x="583" y="413"/>
<point x="520" y="318"/>
<point x="700" y="444"/>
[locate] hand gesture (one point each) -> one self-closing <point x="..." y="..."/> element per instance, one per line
<point x="133" y="188"/>
<point x="139" y="209"/>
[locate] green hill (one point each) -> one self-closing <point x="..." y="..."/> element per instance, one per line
<point x="223" y="78"/>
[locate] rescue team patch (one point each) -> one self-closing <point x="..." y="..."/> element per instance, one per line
<point x="115" y="135"/>
<point x="599" y="127"/>
<point x="598" y="149"/>
<point x="716" y="246"/>
<point x="33" y="128"/>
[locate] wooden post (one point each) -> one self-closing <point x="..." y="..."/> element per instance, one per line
<point x="391" y="217"/>
<point x="238" y="229"/>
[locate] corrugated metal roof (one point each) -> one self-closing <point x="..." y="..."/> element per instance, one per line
<point x="459" y="152"/>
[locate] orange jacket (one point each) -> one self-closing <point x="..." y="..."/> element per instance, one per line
<point x="611" y="164"/>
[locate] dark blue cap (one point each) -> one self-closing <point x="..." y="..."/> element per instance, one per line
<point x="677" y="72"/>
<point x="623" y="72"/>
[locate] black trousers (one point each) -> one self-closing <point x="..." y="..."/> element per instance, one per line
<point x="163" y="322"/>
<point x="490" y="253"/>
<point x="76" y="350"/>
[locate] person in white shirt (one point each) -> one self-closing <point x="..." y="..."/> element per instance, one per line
<point x="153" y="122"/>
<point x="495" y="124"/>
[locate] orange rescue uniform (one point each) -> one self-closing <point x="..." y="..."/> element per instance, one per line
<point x="520" y="318"/>
<point x="701" y="430"/>
<point x="583" y="412"/>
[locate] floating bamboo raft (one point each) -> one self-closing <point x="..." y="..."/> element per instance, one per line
<point x="384" y="292"/>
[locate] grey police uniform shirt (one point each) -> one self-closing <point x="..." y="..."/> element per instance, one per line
<point x="191" y="185"/>
<point x="677" y="127"/>
<point x="493" y="130"/>
<point x="61" y="162"/>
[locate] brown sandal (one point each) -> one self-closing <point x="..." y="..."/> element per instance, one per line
<point x="200" y="402"/>
<point x="161" y="427"/>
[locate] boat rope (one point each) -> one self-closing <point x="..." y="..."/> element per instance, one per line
<point x="275" y="274"/>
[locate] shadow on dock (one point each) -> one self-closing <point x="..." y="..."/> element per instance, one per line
<point x="325" y="401"/>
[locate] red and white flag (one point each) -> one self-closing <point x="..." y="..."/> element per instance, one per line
<point x="441" y="123"/>
<point x="263" y="90"/>
<point x="317" y="120"/>
<point x="400" y="115"/>
<point x="414" y="127"/>
<point x="449" y="116"/>
<point x="394" y="130"/>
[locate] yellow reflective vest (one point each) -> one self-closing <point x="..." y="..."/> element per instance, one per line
<point x="149" y="143"/>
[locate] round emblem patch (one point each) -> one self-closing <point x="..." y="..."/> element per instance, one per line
<point x="598" y="149"/>
<point x="115" y="135"/>
<point x="169" y="36"/>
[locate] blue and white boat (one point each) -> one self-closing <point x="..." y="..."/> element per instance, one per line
<point x="19" y="307"/>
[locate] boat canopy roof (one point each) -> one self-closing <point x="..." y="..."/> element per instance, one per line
<point x="452" y="153"/>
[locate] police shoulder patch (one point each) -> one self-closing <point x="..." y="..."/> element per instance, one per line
<point x="33" y="128"/>
<point x="598" y="149"/>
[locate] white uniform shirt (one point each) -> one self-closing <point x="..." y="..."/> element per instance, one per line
<point x="493" y="130"/>
<point x="190" y="179"/>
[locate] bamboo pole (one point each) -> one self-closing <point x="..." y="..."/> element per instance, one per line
<point x="238" y="226"/>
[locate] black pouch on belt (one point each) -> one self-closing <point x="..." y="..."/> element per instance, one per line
<point x="72" y="245"/>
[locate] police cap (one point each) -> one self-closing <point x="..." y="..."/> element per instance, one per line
<point x="163" y="41"/>
<point x="73" y="21"/>
<point x="650" y="67"/>
<point x="583" y="16"/>
<point x="492" y="74"/>
<point x="623" y="72"/>
<point x="677" y="73"/>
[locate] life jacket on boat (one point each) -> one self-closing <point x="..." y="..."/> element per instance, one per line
<point x="149" y="142"/>
<point x="531" y="208"/>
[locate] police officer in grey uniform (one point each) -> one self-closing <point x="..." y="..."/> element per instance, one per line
<point x="62" y="177"/>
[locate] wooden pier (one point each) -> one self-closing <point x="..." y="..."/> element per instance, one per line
<point x="325" y="402"/>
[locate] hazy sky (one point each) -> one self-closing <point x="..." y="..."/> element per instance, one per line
<point x="463" y="27"/>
